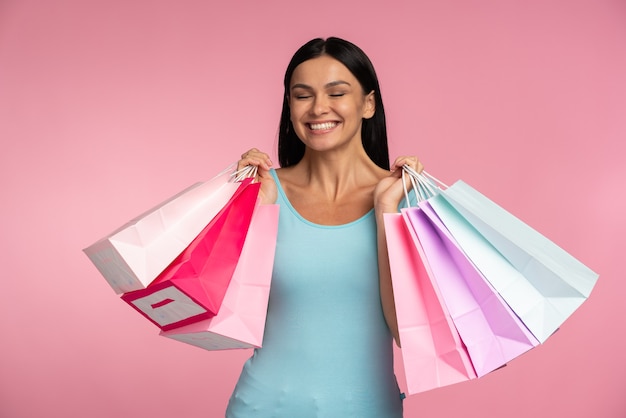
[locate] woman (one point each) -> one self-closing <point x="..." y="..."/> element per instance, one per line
<point x="327" y="349"/>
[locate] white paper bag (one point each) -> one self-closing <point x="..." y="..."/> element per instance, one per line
<point x="135" y="254"/>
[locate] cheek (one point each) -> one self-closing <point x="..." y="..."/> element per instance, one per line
<point x="293" y="117"/>
<point x="351" y="110"/>
<point x="294" y="111"/>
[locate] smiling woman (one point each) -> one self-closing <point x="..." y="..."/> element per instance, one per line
<point x="327" y="349"/>
<point x="349" y="57"/>
<point x="327" y="112"/>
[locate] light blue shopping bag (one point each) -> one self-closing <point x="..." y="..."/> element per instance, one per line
<point x="541" y="282"/>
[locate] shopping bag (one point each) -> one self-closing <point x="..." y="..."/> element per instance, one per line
<point x="193" y="286"/>
<point x="541" y="282"/>
<point x="240" y="323"/>
<point x="487" y="326"/>
<point x="132" y="256"/>
<point x="432" y="351"/>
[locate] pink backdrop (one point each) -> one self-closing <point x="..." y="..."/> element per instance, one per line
<point x="109" y="107"/>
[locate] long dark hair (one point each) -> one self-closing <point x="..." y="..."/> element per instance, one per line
<point x="373" y="130"/>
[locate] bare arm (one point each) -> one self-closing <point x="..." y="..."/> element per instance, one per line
<point x="384" y="272"/>
<point x="387" y="197"/>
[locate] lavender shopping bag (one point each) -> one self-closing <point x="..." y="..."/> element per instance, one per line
<point x="487" y="326"/>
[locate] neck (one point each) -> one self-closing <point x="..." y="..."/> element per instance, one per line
<point x="335" y="174"/>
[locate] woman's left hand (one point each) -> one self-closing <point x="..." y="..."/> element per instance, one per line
<point x="390" y="191"/>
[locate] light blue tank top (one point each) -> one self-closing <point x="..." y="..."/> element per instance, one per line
<point x="327" y="351"/>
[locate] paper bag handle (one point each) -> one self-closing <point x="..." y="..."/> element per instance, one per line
<point x="249" y="171"/>
<point x="424" y="184"/>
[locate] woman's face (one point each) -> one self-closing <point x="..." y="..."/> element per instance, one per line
<point x="327" y="104"/>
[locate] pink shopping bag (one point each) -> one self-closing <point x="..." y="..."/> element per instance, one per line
<point x="240" y="323"/>
<point x="490" y="330"/>
<point x="193" y="286"/>
<point x="132" y="256"/>
<point x="432" y="351"/>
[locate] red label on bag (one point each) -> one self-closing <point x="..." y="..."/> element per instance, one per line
<point x="162" y="303"/>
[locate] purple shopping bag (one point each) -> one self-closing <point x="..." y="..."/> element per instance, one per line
<point x="488" y="327"/>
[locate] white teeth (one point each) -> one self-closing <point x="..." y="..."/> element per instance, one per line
<point x="324" y="125"/>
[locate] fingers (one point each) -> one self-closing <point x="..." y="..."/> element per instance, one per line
<point x="407" y="183"/>
<point x="256" y="158"/>
<point x="411" y="161"/>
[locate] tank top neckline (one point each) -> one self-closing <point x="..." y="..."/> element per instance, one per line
<point x="283" y="195"/>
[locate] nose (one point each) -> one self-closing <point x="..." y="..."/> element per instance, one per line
<point x="319" y="105"/>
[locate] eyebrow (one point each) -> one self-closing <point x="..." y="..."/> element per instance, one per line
<point x="327" y="85"/>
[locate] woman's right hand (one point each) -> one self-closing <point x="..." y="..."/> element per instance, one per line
<point x="263" y="163"/>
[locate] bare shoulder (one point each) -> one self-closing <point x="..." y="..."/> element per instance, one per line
<point x="292" y="182"/>
<point x="285" y="174"/>
<point x="379" y="173"/>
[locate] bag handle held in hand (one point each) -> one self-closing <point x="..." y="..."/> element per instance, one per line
<point x="249" y="171"/>
<point x="425" y="185"/>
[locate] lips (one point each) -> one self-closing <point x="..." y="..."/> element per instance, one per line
<point x="322" y="126"/>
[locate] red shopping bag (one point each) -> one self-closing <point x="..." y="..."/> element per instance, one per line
<point x="240" y="323"/>
<point x="432" y="351"/>
<point x="490" y="330"/>
<point x="193" y="286"/>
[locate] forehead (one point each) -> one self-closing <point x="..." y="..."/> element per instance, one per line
<point x="320" y="71"/>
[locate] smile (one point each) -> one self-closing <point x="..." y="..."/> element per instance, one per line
<point x="322" y="126"/>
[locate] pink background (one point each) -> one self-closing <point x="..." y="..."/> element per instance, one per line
<point x="109" y="107"/>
